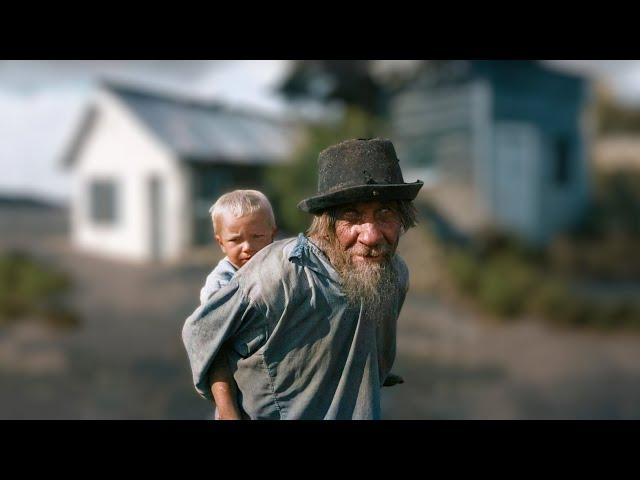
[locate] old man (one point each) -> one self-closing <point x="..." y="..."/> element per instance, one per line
<point x="308" y="325"/>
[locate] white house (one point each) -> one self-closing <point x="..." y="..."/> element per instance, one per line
<point x="146" y="167"/>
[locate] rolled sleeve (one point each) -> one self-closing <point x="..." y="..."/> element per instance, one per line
<point x="210" y="326"/>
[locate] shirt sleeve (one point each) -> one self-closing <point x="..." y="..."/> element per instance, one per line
<point x="217" y="279"/>
<point x="211" y="286"/>
<point x="210" y="326"/>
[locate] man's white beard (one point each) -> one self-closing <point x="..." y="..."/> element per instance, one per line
<point x="375" y="284"/>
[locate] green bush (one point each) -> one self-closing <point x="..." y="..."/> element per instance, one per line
<point x="574" y="311"/>
<point x="31" y="287"/>
<point x="547" y="298"/>
<point x="505" y="284"/>
<point x="616" y="314"/>
<point x="60" y="317"/>
<point x="465" y="270"/>
<point x="605" y="245"/>
<point x="507" y="280"/>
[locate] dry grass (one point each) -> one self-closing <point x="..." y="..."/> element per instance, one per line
<point x="425" y="259"/>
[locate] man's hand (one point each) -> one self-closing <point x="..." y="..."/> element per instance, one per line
<point x="392" y="379"/>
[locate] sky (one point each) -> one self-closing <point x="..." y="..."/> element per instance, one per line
<point x="41" y="102"/>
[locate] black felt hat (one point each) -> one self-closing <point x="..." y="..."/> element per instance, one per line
<point x="358" y="171"/>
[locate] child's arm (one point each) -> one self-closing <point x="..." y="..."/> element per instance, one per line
<point x="223" y="389"/>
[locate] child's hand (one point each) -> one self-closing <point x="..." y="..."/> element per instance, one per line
<point x="230" y="413"/>
<point x="224" y="390"/>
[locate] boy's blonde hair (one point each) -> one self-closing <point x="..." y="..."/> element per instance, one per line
<point x="240" y="203"/>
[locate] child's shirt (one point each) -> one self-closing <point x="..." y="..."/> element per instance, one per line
<point x="218" y="278"/>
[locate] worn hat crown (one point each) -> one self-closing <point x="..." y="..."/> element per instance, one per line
<point x="359" y="170"/>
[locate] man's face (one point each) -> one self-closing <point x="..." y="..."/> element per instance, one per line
<point x="368" y="231"/>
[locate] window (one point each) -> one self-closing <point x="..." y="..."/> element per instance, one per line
<point x="103" y="201"/>
<point x="562" y="162"/>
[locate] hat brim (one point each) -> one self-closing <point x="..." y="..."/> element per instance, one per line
<point x="360" y="193"/>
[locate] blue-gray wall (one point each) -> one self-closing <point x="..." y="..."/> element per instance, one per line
<point x="520" y="93"/>
<point x="554" y="103"/>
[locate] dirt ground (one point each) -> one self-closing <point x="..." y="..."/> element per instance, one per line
<point x="127" y="361"/>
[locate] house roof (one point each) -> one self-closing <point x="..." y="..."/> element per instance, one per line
<point x="515" y="73"/>
<point x="201" y="131"/>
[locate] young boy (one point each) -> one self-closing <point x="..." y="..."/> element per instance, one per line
<point x="243" y="224"/>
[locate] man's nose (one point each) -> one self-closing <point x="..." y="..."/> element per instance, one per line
<point x="370" y="234"/>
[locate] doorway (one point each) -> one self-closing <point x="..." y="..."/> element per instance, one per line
<point x="156" y="202"/>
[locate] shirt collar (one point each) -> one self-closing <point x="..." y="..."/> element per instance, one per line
<point x="226" y="259"/>
<point x="308" y="254"/>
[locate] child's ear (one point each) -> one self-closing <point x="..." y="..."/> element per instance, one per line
<point x="219" y="240"/>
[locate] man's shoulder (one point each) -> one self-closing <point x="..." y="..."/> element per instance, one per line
<point x="273" y="256"/>
<point x="268" y="272"/>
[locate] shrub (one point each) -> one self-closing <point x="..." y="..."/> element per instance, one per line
<point x="508" y="279"/>
<point x="547" y="298"/>
<point x="505" y="283"/>
<point x="31" y="287"/>
<point x="465" y="270"/>
<point x="573" y="311"/>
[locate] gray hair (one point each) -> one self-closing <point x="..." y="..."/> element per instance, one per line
<point x="240" y="203"/>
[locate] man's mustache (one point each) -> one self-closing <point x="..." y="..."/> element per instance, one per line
<point x="384" y="250"/>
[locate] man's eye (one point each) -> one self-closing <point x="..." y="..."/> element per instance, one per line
<point x="350" y="214"/>
<point x="387" y="214"/>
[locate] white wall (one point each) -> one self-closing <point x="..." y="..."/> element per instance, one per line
<point x="120" y="147"/>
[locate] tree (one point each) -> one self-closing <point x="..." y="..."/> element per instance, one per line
<point x="355" y="86"/>
<point x="614" y="117"/>
<point x="348" y="81"/>
<point x="288" y="184"/>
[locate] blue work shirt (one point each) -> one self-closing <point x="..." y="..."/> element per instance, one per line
<point x="220" y="276"/>
<point x="297" y="349"/>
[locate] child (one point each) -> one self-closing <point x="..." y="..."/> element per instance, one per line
<point x="243" y="224"/>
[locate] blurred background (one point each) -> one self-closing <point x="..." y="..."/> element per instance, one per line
<point x="525" y="268"/>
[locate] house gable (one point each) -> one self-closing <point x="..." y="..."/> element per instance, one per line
<point x="105" y="110"/>
<point x="114" y="148"/>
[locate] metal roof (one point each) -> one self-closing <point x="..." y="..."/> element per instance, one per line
<point x="207" y="132"/>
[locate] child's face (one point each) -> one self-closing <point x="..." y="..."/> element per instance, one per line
<point x="241" y="238"/>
